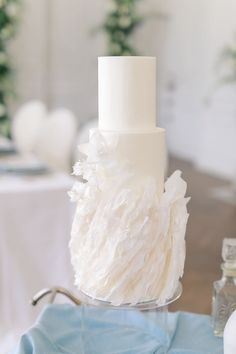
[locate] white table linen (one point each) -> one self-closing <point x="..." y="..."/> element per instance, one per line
<point x="35" y="222"/>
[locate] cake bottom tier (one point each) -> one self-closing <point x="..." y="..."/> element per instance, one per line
<point x="127" y="243"/>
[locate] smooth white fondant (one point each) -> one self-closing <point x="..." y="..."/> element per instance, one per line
<point x="146" y="153"/>
<point x="127" y="93"/>
<point x="127" y="244"/>
<point x="127" y="107"/>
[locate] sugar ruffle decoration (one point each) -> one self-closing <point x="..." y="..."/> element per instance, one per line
<point x="127" y="246"/>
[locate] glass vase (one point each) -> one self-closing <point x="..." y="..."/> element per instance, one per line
<point x="125" y="329"/>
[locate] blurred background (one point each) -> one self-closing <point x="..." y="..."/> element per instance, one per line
<point x="48" y="102"/>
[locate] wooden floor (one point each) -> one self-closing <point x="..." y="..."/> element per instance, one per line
<point x="210" y="221"/>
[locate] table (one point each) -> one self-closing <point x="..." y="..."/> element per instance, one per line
<point x="63" y="329"/>
<point x="35" y="222"/>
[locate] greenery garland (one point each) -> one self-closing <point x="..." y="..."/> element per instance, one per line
<point x="9" y="15"/>
<point x="227" y="62"/>
<point x="121" y="21"/>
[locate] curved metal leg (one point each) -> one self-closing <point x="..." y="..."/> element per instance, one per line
<point x="54" y="291"/>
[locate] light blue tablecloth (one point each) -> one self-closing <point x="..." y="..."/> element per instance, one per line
<point x="68" y="329"/>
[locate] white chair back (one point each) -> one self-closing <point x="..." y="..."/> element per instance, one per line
<point x="26" y="124"/>
<point x="56" y="139"/>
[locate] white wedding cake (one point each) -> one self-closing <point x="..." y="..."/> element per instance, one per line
<point x="128" y="234"/>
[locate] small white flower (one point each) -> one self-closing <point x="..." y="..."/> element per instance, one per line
<point x="124" y="22"/>
<point x="111" y="6"/>
<point x="12" y="10"/>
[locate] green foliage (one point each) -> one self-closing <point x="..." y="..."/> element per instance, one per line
<point x="121" y="21"/>
<point x="228" y="63"/>
<point x="9" y="14"/>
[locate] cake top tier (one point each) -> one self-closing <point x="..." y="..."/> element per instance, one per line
<point x="127" y="93"/>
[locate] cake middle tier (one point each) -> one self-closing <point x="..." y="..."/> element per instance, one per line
<point x="144" y="152"/>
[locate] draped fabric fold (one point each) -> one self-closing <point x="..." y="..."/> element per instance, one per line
<point x="67" y="329"/>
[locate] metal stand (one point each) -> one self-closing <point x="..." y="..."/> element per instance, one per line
<point x="53" y="293"/>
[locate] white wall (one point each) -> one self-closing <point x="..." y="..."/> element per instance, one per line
<point x="216" y="151"/>
<point x="186" y="44"/>
<point x="182" y="71"/>
<point x="29" y="49"/>
<point x="201" y="119"/>
<point x="59" y="64"/>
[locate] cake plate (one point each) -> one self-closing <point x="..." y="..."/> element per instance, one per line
<point x="125" y="329"/>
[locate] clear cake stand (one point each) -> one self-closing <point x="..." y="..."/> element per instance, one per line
<point x="125" y="329"/>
